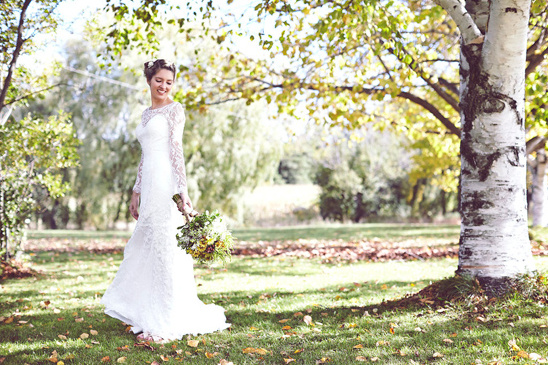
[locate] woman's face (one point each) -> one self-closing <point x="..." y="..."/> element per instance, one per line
<point x="160" y="84"/>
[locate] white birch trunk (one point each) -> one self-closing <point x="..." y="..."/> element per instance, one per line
<point x="538" y="196"/>
<point x="494" y="242"/>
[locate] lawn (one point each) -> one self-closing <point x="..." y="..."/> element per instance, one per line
<point x="57" y="316"/>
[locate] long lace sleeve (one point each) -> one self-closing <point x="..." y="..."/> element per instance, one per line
<point x="137" y="186"/>
<point x="176" y="121"/>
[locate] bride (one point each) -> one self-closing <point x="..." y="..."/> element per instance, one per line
<point x="154" y="289"/>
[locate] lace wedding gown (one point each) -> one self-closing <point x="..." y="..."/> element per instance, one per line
<point x="154" y="289"/>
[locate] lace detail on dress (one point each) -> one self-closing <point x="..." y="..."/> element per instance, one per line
<point x="175" y="116"/>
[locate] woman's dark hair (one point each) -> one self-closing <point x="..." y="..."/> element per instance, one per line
<point x="152" y="67"/>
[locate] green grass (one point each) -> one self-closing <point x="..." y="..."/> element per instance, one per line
<point x="343" y="301"/>
<point x="385" y="231"/>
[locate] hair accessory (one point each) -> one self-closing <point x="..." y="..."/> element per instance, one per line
<point x="150" y="64"/>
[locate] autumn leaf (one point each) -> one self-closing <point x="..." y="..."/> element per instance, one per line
<point x="210" y="355"/>
<point x="225" y="362"/>
<point x="93" y="332"/>
<point x="298" y="351"/>
<point x="164" y="358"/>
<point x="121" y="359"/>
<point x="193" y="343"/>
<point x="288" y="360"/>
<point x="8" y="320"/>
<point x="360" y="346"/>
<point x="392" y="330"/>
<point x="62" y="337"/>
<point x="307" y="320"/>
<point x="323" y="360"/>
<point x="361" y="358"/>
<point x="251" y="350"/>
<point x="374" y="359"/>
<point x="60" y="363"/>
<point x="298" y="314"/>
<point x="285" y="328"/>
<point x="78" y="319"/>
<point x="253" y="328"/>
<point x="437" y="355"/>
<point x="522" y="354"/>
<point x="283" y="320"/>
<point x="83" y="336"/>
<point x="105" y="359"/>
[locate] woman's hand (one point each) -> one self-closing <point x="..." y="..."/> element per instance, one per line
<point x="184" y="205"/>
<point x="134" y="205"/>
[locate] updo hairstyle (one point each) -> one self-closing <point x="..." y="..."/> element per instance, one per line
<point x="152" y="67"/>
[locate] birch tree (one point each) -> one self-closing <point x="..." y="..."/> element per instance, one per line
<point x="494" y="241"/>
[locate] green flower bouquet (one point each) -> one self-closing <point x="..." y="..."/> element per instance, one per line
<point x="206" y="238"/>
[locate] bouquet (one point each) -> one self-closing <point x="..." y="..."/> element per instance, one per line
<point x="205" y="237"/>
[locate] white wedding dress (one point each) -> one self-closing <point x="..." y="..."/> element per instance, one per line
<point x="154" y="289"/>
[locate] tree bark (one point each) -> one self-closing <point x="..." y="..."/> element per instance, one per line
<point x="539" y="188"/>
<point x="494" y="241"/>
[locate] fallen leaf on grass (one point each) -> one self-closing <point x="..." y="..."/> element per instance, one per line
<point x="298" y="314"/>
<point x="251" y="350"/>
<point x="522" y="354"/>
<point x="83" y="336"/>
<point x="289" y="360"/>
<point x="447" y="340"/>
<point x="62" y="337"/>
<point x="360" y="346"/>
<point x="307" y="320"/>
<point x="78" y="319"/>
<point x="382" y="343"/>
<point x="298" y="351"/>
<point x="93" y="332"/>
<point x="121" y="359"/>
<point x="283" y="320"/>
<point x="225" y="362"/>
<point x="164" y="358"/>
<point x="60" y="363"/>
<point x="8" y="320"/>
<point x="323" y="360"/>
<point x="253" y="328"/>
<point x="155" y="363"/>
<point x="105" y="359"/>
<point x="145" y="345"/>
<point x="437" y="354"/>
<point x="374" y="359"/>
<point x="285" y="328"/>
<point x="210" y="355"/>
<point x="193" y="343"/>
<point x="534" y="356"/>
<point x="361" y="358"/>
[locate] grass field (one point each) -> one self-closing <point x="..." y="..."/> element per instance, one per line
<point x="57" y="317"/>
<point x="385" y="231"/>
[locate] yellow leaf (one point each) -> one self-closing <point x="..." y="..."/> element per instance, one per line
<point x="164" y="358"/>
<point x="62" y="337"/>
<point x="391" y="330"/>
<point x="360" y="346"/>
<point x="522" y="354"/>
<point x="210" y="355"/>
<point x="437" y="354"/>
<point x="361" y="358"/>
<point x="93" y="332"/>
<point x="121" y="359"/>
<point x="60" y="363"/>
<point x="83" y="336"/>
<point x="283" y="320"/>
<point x="352" y="325"/>
<point x="253" y="328"/>
<point x="286" y="328"/>
<point x="248" y="350"/>
<point x="193" y="343"/>
<point x="289" y="360"/>
<point x="8" y="320"/>
<point x="298" y="314"/>
<point x="188" y="353"/>
<point x="298" y="351"/>
<point x="261" y="351"/>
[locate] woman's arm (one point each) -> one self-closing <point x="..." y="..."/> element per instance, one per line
<point x="176" y="121"/>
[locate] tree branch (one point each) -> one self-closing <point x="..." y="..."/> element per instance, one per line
<point x="468" y="29"/>
<point x="432" y="109"/>
<point x="535" y="61"/>
<point x="18" y="45"/>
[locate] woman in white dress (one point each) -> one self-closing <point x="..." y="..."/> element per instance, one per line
<point x="154" y="289"/>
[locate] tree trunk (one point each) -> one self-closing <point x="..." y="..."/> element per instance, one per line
<point x="494" y="241"/>
<point x="539" y="188"/>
